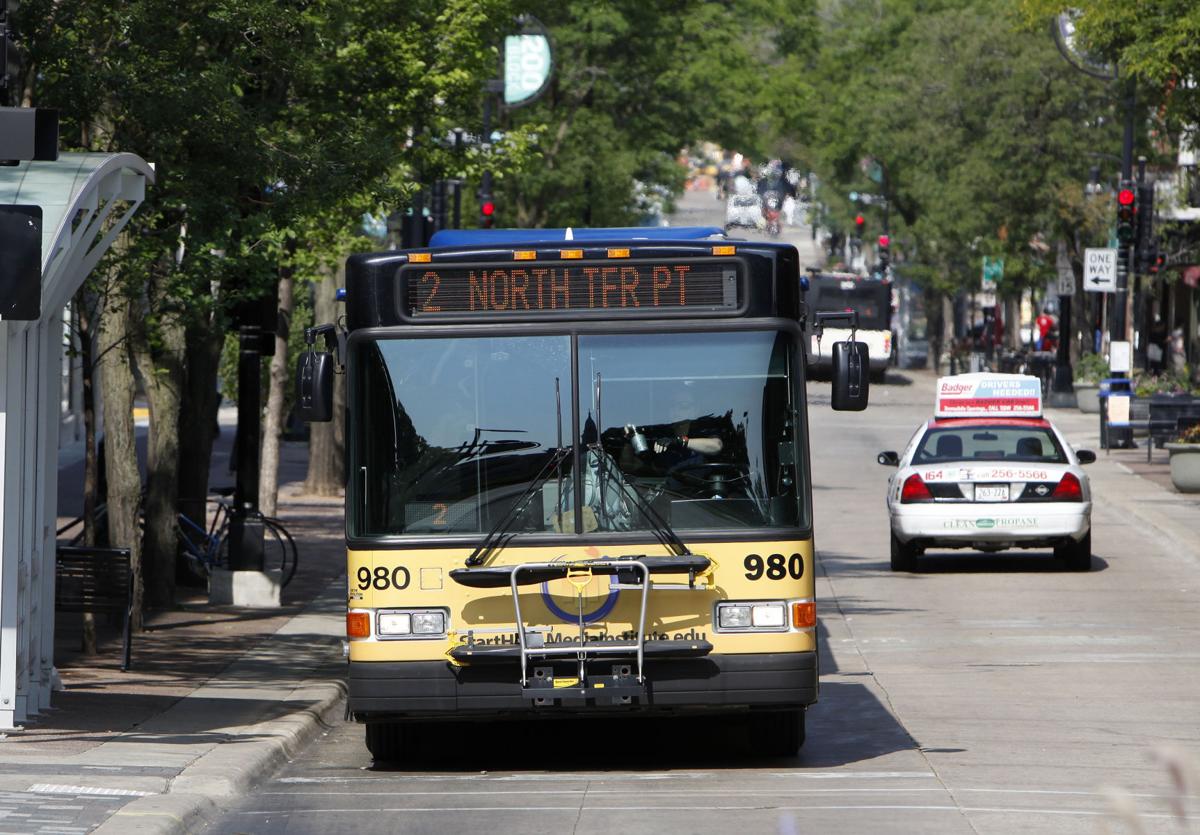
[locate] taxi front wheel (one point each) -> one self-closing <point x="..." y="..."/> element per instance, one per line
<point x="1077" y="555"/>
<point x="904" y="555"/>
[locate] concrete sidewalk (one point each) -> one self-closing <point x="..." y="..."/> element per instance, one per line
<point x="1142" y="491"/>
<point x="217" y="697"/>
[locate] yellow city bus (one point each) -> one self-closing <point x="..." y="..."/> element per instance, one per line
<point x="578" y="479"/>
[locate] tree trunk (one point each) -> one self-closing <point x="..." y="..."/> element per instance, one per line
<point x="326" y="441"/>
<point x="198" y="417"/>
<point x="268" y="484"/>
<point x="120" y="452"/>
<point x="1012" y="323"/>
<point x="82" y="316"/>
<point x="163" y="374"/>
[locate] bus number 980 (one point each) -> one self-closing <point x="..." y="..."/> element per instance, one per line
<point x="774" y="567"/>
<point x="383" y="578"/>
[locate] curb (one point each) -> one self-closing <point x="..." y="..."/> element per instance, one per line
<point x="232" y="768"/>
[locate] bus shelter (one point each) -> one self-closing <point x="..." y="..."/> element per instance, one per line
<point x="86" y="201"/>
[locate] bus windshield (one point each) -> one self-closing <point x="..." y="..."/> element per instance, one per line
<point x="871" y="298"/>
<point x="697" y="429"/>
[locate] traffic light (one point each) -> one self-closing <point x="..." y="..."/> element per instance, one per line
<point x="885" y="256"/>
<point x="1146" y="249"/>
<point x="859" y="223"/>
<point x="487" y="212"/>
<point x="1127" y="212"/>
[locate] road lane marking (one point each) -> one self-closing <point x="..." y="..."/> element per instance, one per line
<point x="358" y="810"/>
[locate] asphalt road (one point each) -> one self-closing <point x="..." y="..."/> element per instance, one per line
<point x="982" y="694"/>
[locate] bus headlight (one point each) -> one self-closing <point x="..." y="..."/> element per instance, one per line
<point x="411" y="623"/>
<point x="766" y="616"/>
<point x="428" y="623"/>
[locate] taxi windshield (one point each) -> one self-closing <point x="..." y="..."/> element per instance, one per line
<point x="982" y="442"/>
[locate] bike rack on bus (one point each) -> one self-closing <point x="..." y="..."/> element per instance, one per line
<point x="622" y="685"/>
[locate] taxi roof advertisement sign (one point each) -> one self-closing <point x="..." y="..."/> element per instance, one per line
<point x="985" y="395"/>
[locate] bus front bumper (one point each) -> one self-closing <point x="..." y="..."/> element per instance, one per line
<point x="396" y="690"/>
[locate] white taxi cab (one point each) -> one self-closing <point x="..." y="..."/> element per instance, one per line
<point x="991" y="473"/>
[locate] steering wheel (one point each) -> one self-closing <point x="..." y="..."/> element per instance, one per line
<point x="708" y="474"/>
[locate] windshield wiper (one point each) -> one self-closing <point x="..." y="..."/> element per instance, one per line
<point x="659" y="526"/>
<point x="493" y="541"/>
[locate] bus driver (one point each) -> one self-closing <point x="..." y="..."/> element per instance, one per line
<point x="691" y="441"/>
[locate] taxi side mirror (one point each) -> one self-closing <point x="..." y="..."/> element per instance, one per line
<point x="314" y="387"/>
<point x="888" y="458"/>
<point x="1085" y="456"/>
<point x="851" y="382"/>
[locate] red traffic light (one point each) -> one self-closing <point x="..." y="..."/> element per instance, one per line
<point x="487" y="208"/>
<point x="885" y="241"/>
<point x="1126" y="196"/>
<point x="859" y="221"/>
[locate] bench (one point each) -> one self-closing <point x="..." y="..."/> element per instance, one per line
<point x="1167" y="417"/>
<point x="95" y="580"/>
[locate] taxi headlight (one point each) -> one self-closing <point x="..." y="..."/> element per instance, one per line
<point x="411" y="623"/>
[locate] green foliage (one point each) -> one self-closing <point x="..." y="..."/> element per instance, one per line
<point x="1091" y="368"/>
<point x="1156" y="43"/>
<point x="980" y="128"/>
<point x="636" y="80"/>
<point x="1165" y="382"/>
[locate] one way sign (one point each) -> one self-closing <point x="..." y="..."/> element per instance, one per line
<point x="1100" y="270"/>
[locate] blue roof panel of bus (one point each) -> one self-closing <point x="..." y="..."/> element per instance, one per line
<point x="476" y="237"/>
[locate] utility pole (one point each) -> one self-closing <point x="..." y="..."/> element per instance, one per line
<point x="1126" y="252"/>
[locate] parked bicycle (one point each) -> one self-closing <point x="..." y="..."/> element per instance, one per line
<point x="206" y="548"/>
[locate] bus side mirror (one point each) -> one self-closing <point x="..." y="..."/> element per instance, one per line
<point x="314" y="387"/>
<point x="851" y="381"/>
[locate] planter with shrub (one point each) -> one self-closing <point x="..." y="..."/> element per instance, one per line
<point x="1185" y="460"/>
<point x="1089" y="371"/>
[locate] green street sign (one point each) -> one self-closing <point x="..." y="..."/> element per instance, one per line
<point x="993" y="271"/>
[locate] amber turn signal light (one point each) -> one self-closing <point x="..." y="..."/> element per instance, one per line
<point x="804" y="615"/>
<point x="358" y="625"/>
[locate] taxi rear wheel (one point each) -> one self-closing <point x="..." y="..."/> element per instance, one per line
<point x="904" y="555"/>
<point x="1077" y="555"/>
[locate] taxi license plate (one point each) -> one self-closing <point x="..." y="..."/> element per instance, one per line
<point x="991" y="492"/>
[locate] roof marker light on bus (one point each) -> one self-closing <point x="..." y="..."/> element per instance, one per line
<point x="724" y="250"/>
<point x="419" y="257"/>
<point x="618" y="253"/>
<point x="568" y="254"/>
<point x="524" y="255"/>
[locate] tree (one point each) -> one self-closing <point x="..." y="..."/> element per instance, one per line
<point x="258" y="126"/>
<point x="981" y="125"/>
<point x="636" y="81"/>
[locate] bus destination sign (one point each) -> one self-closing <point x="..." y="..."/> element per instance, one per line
<point x="627" y="287"/>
